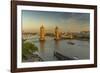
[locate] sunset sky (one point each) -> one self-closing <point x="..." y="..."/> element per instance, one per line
<point x="66" y="21"/>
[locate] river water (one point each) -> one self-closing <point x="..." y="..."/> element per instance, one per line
<point x="46" y="49"/>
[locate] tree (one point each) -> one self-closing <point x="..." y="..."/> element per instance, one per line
<point x="27" y="49"/>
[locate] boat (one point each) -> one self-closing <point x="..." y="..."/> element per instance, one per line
<point x="59" y="56"/>
<point x="71" y="43"/>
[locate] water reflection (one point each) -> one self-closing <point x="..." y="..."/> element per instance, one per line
<point x="42" y="44"/>
<point x="47" y="48"/>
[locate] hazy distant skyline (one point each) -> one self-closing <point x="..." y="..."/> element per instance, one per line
<point x="66" y="21"/>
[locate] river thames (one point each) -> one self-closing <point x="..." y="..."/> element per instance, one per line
<point x="79" y="50"/>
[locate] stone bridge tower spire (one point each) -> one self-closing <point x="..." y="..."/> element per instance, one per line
<point x="42" y="33"/>
<point x="57" y="33"/>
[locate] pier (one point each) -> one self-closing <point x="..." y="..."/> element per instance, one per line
<point x="62" y="57"/>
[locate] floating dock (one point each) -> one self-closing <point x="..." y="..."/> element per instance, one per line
<point x="62" y="57"/>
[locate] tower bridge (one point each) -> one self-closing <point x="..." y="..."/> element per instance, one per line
<point x="56" y="33"/>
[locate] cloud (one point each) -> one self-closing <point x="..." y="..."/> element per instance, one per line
<point x="66" y="21"/>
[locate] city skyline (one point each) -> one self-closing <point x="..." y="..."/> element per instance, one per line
<point x="66" y="21"/>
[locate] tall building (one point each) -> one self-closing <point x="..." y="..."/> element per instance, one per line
<point x="42" y="33"/>
<point x="57" y="33"/>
